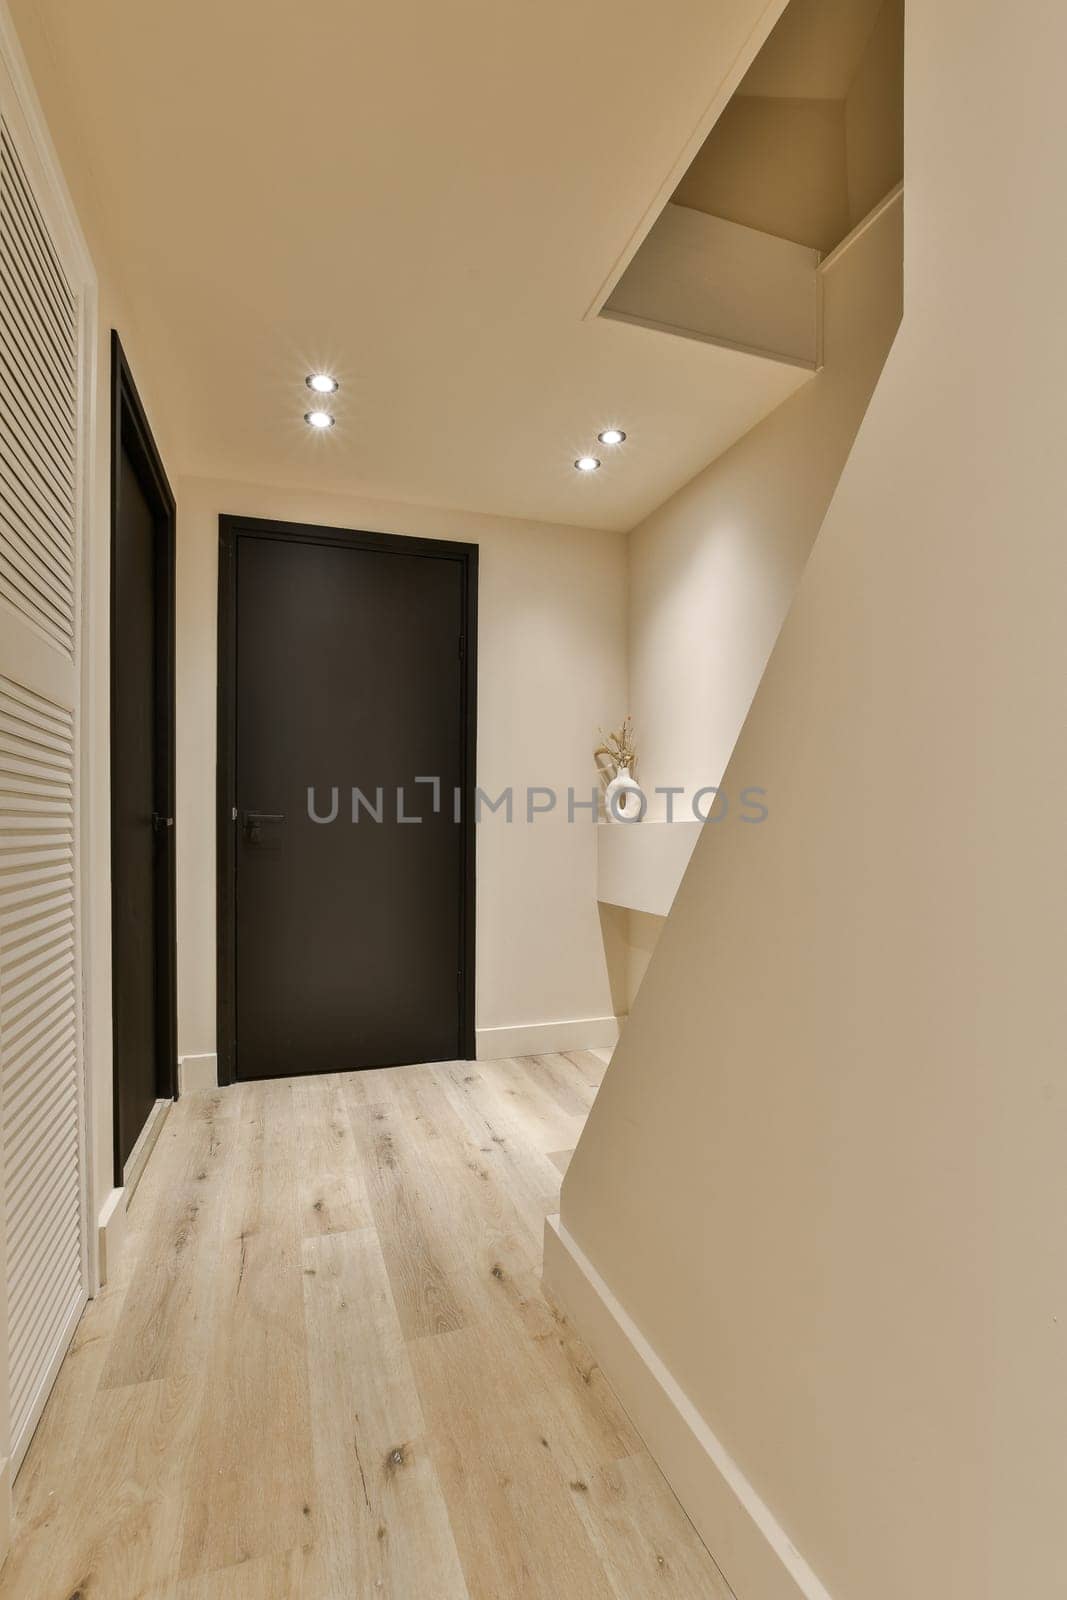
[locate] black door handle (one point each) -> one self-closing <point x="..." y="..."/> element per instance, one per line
<point x="254" y="820"/>
<point x="161" y="824"/>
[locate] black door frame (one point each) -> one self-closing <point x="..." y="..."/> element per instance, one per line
<point x="230" y="528"/>
<point x="130" y="433"/>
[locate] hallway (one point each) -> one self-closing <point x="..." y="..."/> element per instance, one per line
<point x="326" y="1369"/>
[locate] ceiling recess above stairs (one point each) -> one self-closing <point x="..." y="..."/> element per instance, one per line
<point x="808" y="146"/>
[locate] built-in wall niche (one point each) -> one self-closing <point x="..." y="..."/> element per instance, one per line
<point x="808" y="147"/>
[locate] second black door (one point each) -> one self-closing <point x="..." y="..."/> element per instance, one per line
<point x="142" y="768"/>
<point x="346" y="919"/>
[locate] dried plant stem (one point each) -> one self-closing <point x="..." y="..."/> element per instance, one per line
<point x="616" y="748"/>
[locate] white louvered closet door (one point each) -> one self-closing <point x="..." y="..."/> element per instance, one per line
<point x="42" y="454"/>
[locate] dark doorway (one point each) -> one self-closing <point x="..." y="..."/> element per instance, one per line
<point x="143" y="938"/>
<point x="346" y="922"/>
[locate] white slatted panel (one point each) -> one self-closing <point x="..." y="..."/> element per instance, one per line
<point x="38" y="1039"/>
<point x="38" y="412"/>
<point x="43" y="455"/>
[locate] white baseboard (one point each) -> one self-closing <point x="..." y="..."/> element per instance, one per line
<point x="111" y="1233"/>
<point x="547" y="1038"/>
<point x="146" y="1143"/>
<point x="45" y="1384"/>
<point x="197" y="1073"/>
<point x="111" y="1224"/>
<point x="755" y="1554"/>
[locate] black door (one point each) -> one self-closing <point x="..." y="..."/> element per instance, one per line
<point x="142" y="778"/>
<point x="346" y="765"/>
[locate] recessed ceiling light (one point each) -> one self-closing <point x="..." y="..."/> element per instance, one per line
<point x="611" y="436"/>
<point x="318" y="419"/>
<point x="587" y="463"/>
<point x="321" y="382"/>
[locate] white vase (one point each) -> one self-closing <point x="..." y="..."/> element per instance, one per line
<point x="624" y="798"/>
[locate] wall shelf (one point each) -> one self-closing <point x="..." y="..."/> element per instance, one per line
<point x="641" y="864"/>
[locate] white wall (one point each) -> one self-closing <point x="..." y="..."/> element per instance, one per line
<point x="551" y="670"/>
<point x="826" y="1175"/>
<point x="714" y="570"/>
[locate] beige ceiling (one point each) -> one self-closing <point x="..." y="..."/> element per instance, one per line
<point x="424" y="197"/>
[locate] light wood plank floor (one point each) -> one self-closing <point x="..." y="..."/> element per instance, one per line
<point x="326" y="1369"/>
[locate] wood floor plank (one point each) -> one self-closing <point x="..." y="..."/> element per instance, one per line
<point x="551" y="1378"/>
<point x="165" y="1318"/>
<point x="412" y="1220"/>
<point x="377" y="1514"/>
<point x="561" y="1392"/>
<point x="326" y="1368"/>
<point x="502" y="1139"/>
<point x="642" y="1536"/>
<point x="289" y="1575"/>
<point x="547" y="1126"/>
<point x="516" y="1530"/>
<point x="333" y="1194"/>
<point x="253" y="1443"/>
<point x="560" y="1078"/>
<point x="485" y="1225"/>
<point x="45" y="1482"/>
<point x="119" y="1531"/>
<point x="590" y="1065"/>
